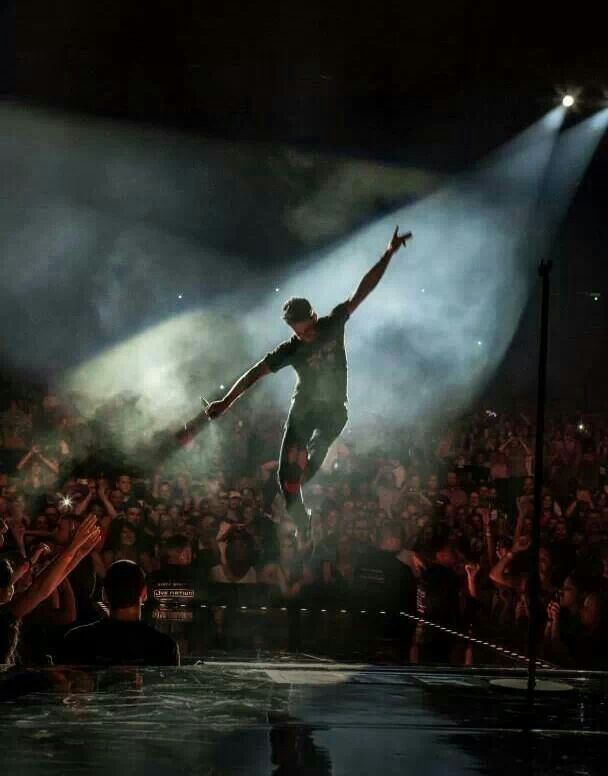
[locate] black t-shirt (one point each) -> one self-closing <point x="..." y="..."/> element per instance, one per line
<point x="171" y="593"/>
<point x="113" y="642"/>
<point x="438" y="595"/>
<point x="381" y="578"/>
<point x="321" y="364"/>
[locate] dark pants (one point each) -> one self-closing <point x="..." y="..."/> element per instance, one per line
<point x="309" y="432"/>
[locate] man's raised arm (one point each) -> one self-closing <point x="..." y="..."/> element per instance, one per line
<point x="245" y="381"/>
<point x="372" y="278"/>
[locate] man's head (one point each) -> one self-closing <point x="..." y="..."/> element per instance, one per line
<point x="333" y="518"/>
<point x="390" y="537"/>
<point x="128" y="535"/>
<point x="234" y="501"/>
<point x="446" y="554"/>
<point x="124" y="586"/>
<point x="361" y="530"/>
<point x="452" y="480"/>
<point x="248" y="515"/>
<point x="178" y="550"/>
<point x="134" y="514"/>
<point x="52" y="515"/>
<point x="298" y="314"/>
<point x="117" y="499"/>
<point x="123" y="483"/>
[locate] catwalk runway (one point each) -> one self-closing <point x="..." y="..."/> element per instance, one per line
<point x="306" y="717"/>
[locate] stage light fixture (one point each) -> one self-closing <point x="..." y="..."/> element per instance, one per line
<point x="568" y="100"/>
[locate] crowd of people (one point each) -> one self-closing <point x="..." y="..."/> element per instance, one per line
<point x="105" y="561"/>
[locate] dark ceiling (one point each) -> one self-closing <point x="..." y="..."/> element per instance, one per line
<point x="347" y="75"/>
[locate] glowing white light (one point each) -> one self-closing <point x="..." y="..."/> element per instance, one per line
<point x="568" y="101"/>
<point x="222" y="387"/>
<point x="277" y="290"/>
<point x="581" y="427"/>
<point x="596" y="298"/>
<point x="480" y="343"/>
<point x="422" y="290"/>
<point x="180" y="296"/>
<point x="66" y="502"/>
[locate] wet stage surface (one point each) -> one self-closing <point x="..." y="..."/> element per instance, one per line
<point x="309" y="717"/>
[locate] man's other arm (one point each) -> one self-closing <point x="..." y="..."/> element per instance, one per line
<point x="371" y="279"/>
<point x="245" y="381"/>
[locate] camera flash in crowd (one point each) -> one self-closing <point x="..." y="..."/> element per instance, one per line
<point x="66" y="502"/>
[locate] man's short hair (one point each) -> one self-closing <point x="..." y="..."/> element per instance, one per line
<point x="177" y="542"/>
<point x="296" y="310"/>
<point x="389" y="530"/>
<point x="124" y="584"/>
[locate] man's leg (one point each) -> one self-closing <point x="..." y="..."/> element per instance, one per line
<point x="293" y="462"/>
<point x="328" y="427"/>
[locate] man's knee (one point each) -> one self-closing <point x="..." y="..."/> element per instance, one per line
<point x="290" y="471"/>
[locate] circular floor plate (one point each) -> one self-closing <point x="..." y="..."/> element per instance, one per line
<point x="542" y="685"/>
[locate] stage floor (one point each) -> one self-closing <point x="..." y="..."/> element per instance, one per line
<point x="307" y="717"/>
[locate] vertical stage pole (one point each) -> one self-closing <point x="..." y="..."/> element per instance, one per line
<point x="544" y="270"/>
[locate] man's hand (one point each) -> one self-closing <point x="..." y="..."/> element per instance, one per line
<point x="397" y="240"/>
<point x="41" y="549"/>
<point x="553" y="612"/>
<point x="87" y="533"/>
<point x="472" y="570"/>
<point x="216" y="408"/>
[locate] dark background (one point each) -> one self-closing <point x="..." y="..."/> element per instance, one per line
<point x="437" y="84"/>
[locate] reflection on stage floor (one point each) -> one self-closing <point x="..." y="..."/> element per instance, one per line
<point x="286" y="717"/>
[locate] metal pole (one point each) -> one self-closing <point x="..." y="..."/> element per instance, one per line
<point x="544" y="270"/>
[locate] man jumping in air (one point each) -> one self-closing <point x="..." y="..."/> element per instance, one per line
<point x="318" y="408"/>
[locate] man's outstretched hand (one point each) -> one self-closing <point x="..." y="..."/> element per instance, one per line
<point x="397" y="240"/>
